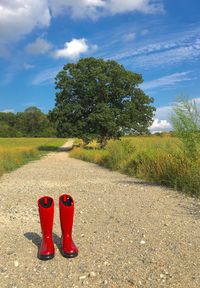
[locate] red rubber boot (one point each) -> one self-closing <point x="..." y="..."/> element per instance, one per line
<point x="46" y="212"/>
<point x="66" y="204"/>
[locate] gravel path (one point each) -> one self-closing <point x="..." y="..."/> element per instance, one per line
<point x="129" y="233"/>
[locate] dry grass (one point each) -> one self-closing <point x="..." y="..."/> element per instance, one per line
<point x="15" y="152"/>
<point x="156" y="159"/>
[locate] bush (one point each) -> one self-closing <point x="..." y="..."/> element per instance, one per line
<point x="118" y="154"/>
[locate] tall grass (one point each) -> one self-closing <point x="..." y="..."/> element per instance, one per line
<point x="155" y="159"/>
<point x="15" y="152"/>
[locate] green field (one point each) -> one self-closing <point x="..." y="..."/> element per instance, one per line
<point x="156" y="159"/>
<point x="15" y="152"/>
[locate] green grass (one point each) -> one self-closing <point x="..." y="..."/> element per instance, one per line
<point x="155" y="159"/>
<point x="15" y="152"/>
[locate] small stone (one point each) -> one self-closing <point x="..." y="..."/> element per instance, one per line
<point x="16" y="263"/>
<point x="105" y="282"/>
<point x="3" y="269"/>
<point x="82" y="277"/>
<point x="162" y="275"/>
<point x="142" y="242"/>
<point x="92" y="274"/>
<point x="82" y="235"/>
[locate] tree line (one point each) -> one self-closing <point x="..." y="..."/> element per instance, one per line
<point x="30" y="123"/>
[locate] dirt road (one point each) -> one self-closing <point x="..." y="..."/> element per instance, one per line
<point x="129" y="233"/>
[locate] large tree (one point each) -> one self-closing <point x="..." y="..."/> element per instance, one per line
<point x="100" y="99"/>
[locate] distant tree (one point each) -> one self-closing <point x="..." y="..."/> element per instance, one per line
<point x="33" y="122"/>
<point x="7" y="125"/>
<point x="100" y="99"/>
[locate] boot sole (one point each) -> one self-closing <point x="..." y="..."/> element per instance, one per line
<point x="69" y="255"/>
<point x="46" y="257"/>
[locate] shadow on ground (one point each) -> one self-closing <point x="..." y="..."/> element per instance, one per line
<point x="138" y="182"/>
<point x="193" y="209"/>
<point x="37" y="239"/>
<point x="53" y="148"/>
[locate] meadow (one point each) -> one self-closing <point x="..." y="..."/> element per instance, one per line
<point x="15" y="152"/>
<point x="160" y="160"/>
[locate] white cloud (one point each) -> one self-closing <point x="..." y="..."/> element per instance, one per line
<point x="169" y="56"/>
<point x="47" y="76"/>
<point x="97" y="8"/>
<point x="144" y="32"/>
<point x="197" y="100"/>
<point x="8" y="110"/>
<point x="161" y="120"/>
<point x="78" y="8"/>
<point x="160" y="126"/>
<point x="162" y="116"/>
<point x="27" y="66"/>
<point x="73" y="49"/>
<point x="144" y="6"/>
<point x="173" y="49"/>
<point x="168" y="80"/>
<point x="19" y="17"/>
<point x="39" y="46"/>
<point x="130" y="36"/>
<point x="163" y="112"/>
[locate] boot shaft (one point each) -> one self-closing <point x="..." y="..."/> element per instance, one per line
<point x="66" y="205"/>
<point x="46" y="212"/>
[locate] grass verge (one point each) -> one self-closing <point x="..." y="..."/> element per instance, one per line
<point x="155" y="159"/>
<point x="15" y="152"/>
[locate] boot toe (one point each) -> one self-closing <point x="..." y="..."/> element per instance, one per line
<point x="45" y="256"/>
<point x="69" y="254"/>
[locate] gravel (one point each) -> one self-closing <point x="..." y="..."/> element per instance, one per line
<point x="129" y="233"/>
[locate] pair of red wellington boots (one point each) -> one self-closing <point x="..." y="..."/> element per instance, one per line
<point x="46" y="211"/>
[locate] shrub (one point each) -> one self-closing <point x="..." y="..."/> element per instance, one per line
<point x="119" y="154"/>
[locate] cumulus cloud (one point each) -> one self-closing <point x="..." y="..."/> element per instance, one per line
<point x="161" y="120"/>
<point x="160" y="126"/>
<point x="168" y="80"/>
<point x="39" y="46"/>
<point x="20" y="17"/>
<point x="73" y="49"/>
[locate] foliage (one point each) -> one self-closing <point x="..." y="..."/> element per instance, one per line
<point x="99" y="99"/>
<point x="156" y="159"/>
<point x="32" y="122"/>
<point x="78" y="142"/>
<point x="186" y="123"/>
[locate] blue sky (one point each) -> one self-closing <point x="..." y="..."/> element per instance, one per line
<point x="158" y="38"/>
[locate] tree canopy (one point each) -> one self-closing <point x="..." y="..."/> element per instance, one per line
<point x="100" y="99"/>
